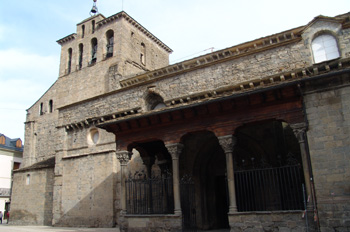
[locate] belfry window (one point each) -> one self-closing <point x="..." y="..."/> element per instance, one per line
<point x="93" y="26"/>
<point x="110" y="43"/>
<point x="324" y="47"/>
<point x="82" y="31"/>
<point x="93" y="51"/>
<point x="70" y="51"/>
<point x="81" y="49"/>
<point x="143" y="54"/>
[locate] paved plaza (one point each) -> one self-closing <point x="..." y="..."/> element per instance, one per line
<point x="11" y="228"/>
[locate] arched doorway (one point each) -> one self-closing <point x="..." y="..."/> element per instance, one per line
<point x="204" y="160"/>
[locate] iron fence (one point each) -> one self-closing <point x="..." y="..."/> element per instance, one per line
<point x="149" y="195"/>
<point x="269" y="189"/>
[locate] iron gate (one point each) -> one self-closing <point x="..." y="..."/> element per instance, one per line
<point x="269" y="189"/>
<point x="149" y="195"/>
<point x="188" y="204"/>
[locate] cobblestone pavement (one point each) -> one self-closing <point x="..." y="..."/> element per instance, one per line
<point x="11" y="228"/>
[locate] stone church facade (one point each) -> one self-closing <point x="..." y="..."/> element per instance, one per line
<point x="254" y="137"/>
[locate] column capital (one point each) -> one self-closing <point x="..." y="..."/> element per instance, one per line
<point x="175" y="149"/>
<point x="299" y="130"/>
<point x="227" y="142"/>
<point x="123" y="157"/>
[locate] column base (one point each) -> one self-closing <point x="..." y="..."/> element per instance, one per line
<point x="178" y="212"/>
<point x="232" y="210"/>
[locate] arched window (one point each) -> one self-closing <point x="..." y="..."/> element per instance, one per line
<point x="2" y="139"/>
<point x="81" y="49"/>
<point x="70" y="51"/>
<point x="110" y="43"/>
<point x="324" y="47"/>
<point x="82" y="31"/>
<point x="28" y="179"/>
<point x="41" y="110"/>
<point x="143" y="54"/>
<point x="93" y="51"/>
<point x="19" y="143"/>
<point x="50" y="106"/>
<point x="93" y="26"/>
<point x="154" y="102"/>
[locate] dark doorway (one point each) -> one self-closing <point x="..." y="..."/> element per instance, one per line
<point x="221" y="193"/>
<point x="204" y="160"/>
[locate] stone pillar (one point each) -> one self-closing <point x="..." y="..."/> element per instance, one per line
<point x="299" y="130"/>
<point x="227" y="142"/>
<point x="175" y="151"/>
<point x="123" y="157"/>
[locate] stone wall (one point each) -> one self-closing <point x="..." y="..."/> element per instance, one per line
<point x="88" y="193"/>
<point x="269" y="221"/>
<point x="327" y="106"/>
<point x="229" y="73"/>
<point x="40" y="129"/>
<point x="150" y="223"/>
<point x="31" y="202"/>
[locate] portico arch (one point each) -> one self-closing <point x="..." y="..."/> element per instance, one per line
<point x="268" y="167"/>
<point x="204" y="160"/>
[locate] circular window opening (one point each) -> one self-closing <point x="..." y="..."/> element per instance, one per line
<point x="93" y="136"/>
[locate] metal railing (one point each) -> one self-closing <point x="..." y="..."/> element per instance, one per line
<point x="269" y="189"/>
<point x="150" y="195"/>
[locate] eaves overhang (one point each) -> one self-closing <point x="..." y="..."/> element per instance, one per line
<point x="283" y="81"/>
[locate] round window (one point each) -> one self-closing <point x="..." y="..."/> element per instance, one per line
<point x="93" y="136"/>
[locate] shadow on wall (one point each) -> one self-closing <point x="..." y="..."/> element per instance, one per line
<point x="32" y="203"/>
<point x="97" y="209"/>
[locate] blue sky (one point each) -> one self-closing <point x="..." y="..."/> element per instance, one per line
<point x="29" y="54"/>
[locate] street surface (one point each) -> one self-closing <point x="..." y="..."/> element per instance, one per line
<point x="11" y="228"/>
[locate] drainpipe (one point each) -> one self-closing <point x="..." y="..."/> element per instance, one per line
<point x="313" y="193"/>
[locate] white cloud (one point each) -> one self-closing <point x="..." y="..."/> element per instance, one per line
<point x="18" y="64"/>
<point x="23" y="79"/>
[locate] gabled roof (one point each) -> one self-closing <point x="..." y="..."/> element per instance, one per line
<point x="133" y="22"/>
<point x="342" y="19"/>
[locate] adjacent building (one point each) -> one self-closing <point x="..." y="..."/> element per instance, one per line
<point x="254" y="137"/>
<point x="11" y="153"/>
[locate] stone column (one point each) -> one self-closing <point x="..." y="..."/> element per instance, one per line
<point x="123" y="157"/>
<point x="227" y="142"/>
<point x="175" y="151"/>
<point x="299" y="130"/>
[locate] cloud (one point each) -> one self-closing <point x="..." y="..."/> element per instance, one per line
<point x="18" y="64"/>
<point x="24" y="77"/>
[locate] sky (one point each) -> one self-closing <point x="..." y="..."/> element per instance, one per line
<point x="29" y="29"/>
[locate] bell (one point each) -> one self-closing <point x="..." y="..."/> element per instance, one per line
<point x="94" y="10"/>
